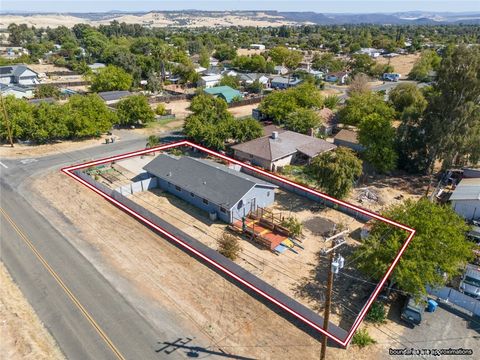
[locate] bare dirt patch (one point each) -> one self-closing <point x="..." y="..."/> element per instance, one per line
<point x="23" y="336"/>
<point x="402" y="64"/>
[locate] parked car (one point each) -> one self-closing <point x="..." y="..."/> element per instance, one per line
<point x="470" y="283"/>
<point x="412" y="311"/>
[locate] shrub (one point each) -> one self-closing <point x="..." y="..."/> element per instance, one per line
<point x="376" y="314"/>
<point x="293" y="225"/>
<point x="229" y="246"/>
<point x="160" y="110"/>
<point x="362" y="338"/>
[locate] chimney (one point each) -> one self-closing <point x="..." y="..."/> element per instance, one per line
<point x="274" y="134"/>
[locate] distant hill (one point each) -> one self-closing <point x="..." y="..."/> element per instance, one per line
<point x="196" y="18"/>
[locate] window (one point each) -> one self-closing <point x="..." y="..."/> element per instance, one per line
<point x="268" y="193"/>
<point x="223" y="210"/>
<point x="178" y="188"/>
<point x="192" y="194"/>
<point x="205" y="201"/>
<point x="240" y="204"/>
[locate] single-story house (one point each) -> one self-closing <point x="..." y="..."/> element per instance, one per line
<point x="199" y="69"/>
<point x="257" y="46"/>
<point x="18" y="75"/>
<point x="214" y="62"/>
<point x="374" y="53"/>
<point x="280" y="70"/>
<point x="465" y="199"/>
<point x="282" y="82"/>
<point x="249" y="78"/>
<point x="209" y="81"/>
<point x="225" y="92"/>
<point x="340" y="77"/>
<point x="280" y="148"/>
<point x="112" y="97"/>
<point x="349" y="139"/>
<point x="20" y="92"/>
<point x="222" y="192"/>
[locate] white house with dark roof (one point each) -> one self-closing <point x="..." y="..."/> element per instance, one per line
<point x="20" y="92"/>
<point x="210" y="186"/>
<point x="18" y="75"/>
<point x="280" y="148"/>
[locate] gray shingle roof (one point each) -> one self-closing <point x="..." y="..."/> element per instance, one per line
<point x="205" y="178"/>
<point x="467" y="189"/>
<point x="114" y="95"/>
<point x="287" y="143"/>
<point x="13" y="70"/>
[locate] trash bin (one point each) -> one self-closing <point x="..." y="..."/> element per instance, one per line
<point x="432" y="305"/>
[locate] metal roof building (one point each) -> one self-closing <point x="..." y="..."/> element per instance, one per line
<point x="466" y="199"/>
<point x="211" y="186"/>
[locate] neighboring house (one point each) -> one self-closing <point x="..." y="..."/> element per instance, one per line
<point x="225" y="92"/>
<point x="280" y="70"/>
<point x="328" y="119"/>
<point x="349" y="139"/>
<point x="214" y="62"/>
<point x="112" y="97"/>
<point x="374" y="53"/>
<point x="18" y="75"/>
<point x="465" y="199"/>
<point x="222" y="192"/>
<point x="20" y="92"/>
<point x="14" y="52"/>
<point x="209" y="81"/>
<point x="199" y="69"/>
<point x="281" y="82"/>
<point x="249" y="78"/>
<point x="96" y="66"/>
<point x="257" y="46"/>
<point x="281" y="148"/>
<point x="340" y="77"/>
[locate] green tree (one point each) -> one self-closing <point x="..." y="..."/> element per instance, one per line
<point x="359" y="106"/>
<point x="362" y="63"/>
<point x="278" y="105"/>
<point x="88" y="116"/>
<point x="327" y="63"/>
<point x="110" y="78"/>
<point x="49" y="123"/>
<point x="428" y="62"/>
<point x="247" y="129"/>
<point x="134" y="110"/>
<point x="231" y="81"/>
<point x="46" y="91"/>
<point x="405" y="96"/>
<point x="377" y="135"/>
<point x="439" y="247"/>
<point x="335" y="171"/>
<point x="331" y="101"/>
<point x="225" y="52"/>
<point x="20" y="117"/>
<point x="204" y="59"/>
<point x="302" y="120"/>
<point x="229" y="246"/>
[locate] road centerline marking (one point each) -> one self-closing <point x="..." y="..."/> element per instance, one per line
<point x="60" y="282"/>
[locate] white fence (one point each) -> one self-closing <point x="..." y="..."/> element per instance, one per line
<point x="138" y="186"/>
<point x="450" y="295"/>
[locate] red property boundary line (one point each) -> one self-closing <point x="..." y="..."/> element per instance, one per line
<point x="343" y="342"/>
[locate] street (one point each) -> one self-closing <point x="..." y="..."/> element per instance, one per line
<point x="87" y="316"/>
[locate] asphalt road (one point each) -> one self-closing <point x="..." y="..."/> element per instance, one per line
<point x="88" y="317"/>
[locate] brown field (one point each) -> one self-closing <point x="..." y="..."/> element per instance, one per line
<point x="402" y="64"/>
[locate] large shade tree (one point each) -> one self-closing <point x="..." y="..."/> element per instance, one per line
<point x="437" y="252"/>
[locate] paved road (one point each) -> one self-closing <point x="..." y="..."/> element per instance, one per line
<point x="85" y="314"/>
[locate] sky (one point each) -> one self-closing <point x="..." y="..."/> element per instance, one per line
<point x="321" y="6"/>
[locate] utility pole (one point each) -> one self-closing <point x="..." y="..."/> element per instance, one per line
<point x="333" y="266"/>
<point x="7" y="122"/>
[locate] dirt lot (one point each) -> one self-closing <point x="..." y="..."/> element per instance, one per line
<point x="163" y="275"/>
<point x="23" y="336"/>
<point x="402" y="64"/>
